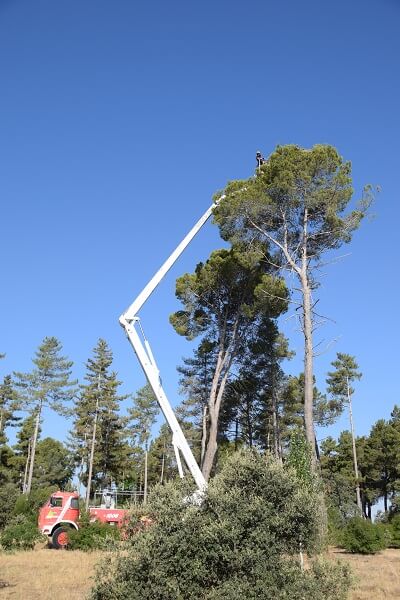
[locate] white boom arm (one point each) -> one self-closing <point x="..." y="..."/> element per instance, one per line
<point x="128" y="320"/>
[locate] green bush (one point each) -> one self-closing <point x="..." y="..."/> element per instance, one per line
<point x="8" y="496"/>
<point x="29" y="504"/>
<point x="93" y="535"/>
<point x="241" y="543"/>
<point x="360" y="536"/>
<point x="20" y="534"/>
<point x="395" y="531"/>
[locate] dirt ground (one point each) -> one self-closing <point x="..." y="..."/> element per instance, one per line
<point x="47" y="574"/>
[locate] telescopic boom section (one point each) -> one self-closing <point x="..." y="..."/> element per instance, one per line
<point x="129" y="320"/>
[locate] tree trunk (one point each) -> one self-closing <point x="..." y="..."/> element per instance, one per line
<point x="308" y="368"/>
<point x="91" y="459"/>
<point x="249" y="423"/>
<point x="211" y="449"/>
<point x="162" y="467"/>
<point x="33" y="450"/>
<point x="203" y="435"/>
<point x="214" y="405"/>
<point x="275" y="424"/>
<point x="145" y="476"/>
<point x="28" y="457"/>
<point x="353" y="439"/>
<point x="236" y="433"/>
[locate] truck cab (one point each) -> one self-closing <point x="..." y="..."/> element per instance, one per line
<point x="57" y="515"/>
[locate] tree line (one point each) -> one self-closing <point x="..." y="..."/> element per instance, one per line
<point x="281" y="224"/>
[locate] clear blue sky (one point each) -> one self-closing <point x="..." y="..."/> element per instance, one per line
<point x="119" y="120"/>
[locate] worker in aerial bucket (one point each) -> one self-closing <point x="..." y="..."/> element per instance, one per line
<point x="260" y="159"/>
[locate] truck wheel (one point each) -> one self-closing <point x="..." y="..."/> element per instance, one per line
<point x="59" y="538"/>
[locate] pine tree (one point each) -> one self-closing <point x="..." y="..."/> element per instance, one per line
<point x="97" y="438"/>
<point x="8" y="406"/>
<point x="49" y="384"/>
<point x="195" y="384"/>
<point x="382" y="460"/>
<point x="141" y="417"/>
<point x="161" y="460"/>
<point x="294" y="207"/>
<point x="23" y="450"/>
<point x="53" y="464"/>
<point x="336" y="462"/>
<point x="223" y="300"/>
<point x="339" y="386"/>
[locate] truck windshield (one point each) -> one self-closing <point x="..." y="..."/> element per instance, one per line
<point x="55" y="501"/>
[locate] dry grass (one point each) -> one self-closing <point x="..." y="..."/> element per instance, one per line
<point x="377" y="576"/>
<point x="47" y="574"/>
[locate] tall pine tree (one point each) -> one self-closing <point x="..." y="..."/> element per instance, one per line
<point x="98" y="435"/>
<point x="48" y="384"/>
<point x="142" y="416"/>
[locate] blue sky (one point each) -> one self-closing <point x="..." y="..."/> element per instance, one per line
<point x="119" y="121"/>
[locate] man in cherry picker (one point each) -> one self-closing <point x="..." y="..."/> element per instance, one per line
<point x="260" y="159"/>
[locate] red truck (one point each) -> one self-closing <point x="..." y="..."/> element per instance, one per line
<point x="61" y="513"/>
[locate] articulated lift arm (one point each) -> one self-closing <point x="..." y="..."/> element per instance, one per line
<point x="129" y="320"/>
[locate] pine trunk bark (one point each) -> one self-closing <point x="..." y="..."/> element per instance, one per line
<point x="145" y="476"/>
<point x="211" y="449"/>
<point x="353" y="440"/>
<point x="89" y="481"/>
<point x="33" y="449"/>
<point x="27" y="462"/>
<point x="308" y="369"/>
<point x="203" y="435"/>
<point x="275" y="423"/>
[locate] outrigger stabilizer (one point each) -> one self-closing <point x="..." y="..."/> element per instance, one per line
<point x="130" y="321"/>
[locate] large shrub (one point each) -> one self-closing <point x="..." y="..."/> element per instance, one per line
<point x="363" y="537"/>
<point x="241" y="543"/>
<point x="8" y="496"/>
<point x="92" y="535"/>
<point x="29" y="504"/>
<point x="395" y="531"/>
<point x="20" y="534"/>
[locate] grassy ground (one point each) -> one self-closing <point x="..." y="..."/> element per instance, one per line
<point x="377" y="577"/>
<point x="47" y="574"/>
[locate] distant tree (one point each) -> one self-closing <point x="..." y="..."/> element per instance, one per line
<point x="339" y="386"/>
<point x="252" y="408"/>
<point x="294" y="207"/>
<point x="98" y="434"/>
<point x="49" y="384"/>
<point x="382" y="460"/>
<point x="336" y="461"/>
<point x="195" y="384"/>
<point x="53" y="464"/>
<point x="223" y="300"/>
<point x="161" y="457"/>
<point x="8" y="406"/>
<point x="141" y="418"/>
<point x="23" y="450"/>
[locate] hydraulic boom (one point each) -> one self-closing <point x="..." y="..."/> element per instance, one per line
<point x="129" y="321"/>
